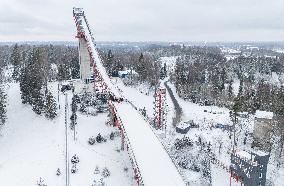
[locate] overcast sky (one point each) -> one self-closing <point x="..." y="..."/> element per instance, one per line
<point x="145" y="20"/>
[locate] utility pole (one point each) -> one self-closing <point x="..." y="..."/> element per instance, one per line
<point x="66" y="141"/>
<point x="58" y="95"/>
<point x="235" y="120"/>
<point x="75" y="130"/>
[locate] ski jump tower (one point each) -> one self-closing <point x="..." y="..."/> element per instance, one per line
<point x="88" y="70"/>
<point x="84" y="57"/>
<point x="150" y="169"/>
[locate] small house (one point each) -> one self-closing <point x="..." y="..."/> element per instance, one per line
<point x="125" y="73"/>
<point x="184" y="127"/>
<point x="224" y="126"/>
<point x="262" y="128"/>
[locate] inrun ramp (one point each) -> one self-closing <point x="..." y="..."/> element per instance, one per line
<point x="154" y="164"/>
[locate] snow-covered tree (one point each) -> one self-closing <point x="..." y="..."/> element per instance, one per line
<point x="206" y="178"/>
<point x="41" y="182"/>
<point x="16" y="62"/>
<point x="50" y="107"/>
<point x="32" y="81"/>
<point x="75" y="68"/>
<point x="105" y="172"/>
<point x="38" y="102"/>
<point x="3" y="102"/>
<point x="64" y="71"/>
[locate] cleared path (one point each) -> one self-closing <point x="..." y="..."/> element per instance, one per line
<point x="178" y="109"/>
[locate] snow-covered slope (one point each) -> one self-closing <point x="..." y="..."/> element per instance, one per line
<point x="32" y="146"/>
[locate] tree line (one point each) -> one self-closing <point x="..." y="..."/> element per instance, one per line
<point x="144" y="63"/>
<point x="33" y="66"/>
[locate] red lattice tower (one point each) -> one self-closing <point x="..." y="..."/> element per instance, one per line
<point x="159" y="108"/>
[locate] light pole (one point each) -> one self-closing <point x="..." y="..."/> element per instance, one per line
<point x="66" y="141"/>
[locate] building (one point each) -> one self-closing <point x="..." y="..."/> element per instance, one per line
<point x="86" y="71"/>
<point x="249" y="168"/>
<point x="262" y="128"/>
<point x="184" y="127"/>
<point x="125" y="73"/>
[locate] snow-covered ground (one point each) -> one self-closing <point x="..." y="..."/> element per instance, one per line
<point x="33" y="147"/>
<point x="205" y="117"/>
<point x="206" y="120"/>
<point x="140" y="96"/>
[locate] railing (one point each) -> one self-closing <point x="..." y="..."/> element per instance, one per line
<point x="126" y="141"/>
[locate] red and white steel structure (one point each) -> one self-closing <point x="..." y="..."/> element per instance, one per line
<point x="151" y="164"/>
<point x="159" y="108"/>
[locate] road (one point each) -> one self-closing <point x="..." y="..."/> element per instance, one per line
<point x="178" y="109"/>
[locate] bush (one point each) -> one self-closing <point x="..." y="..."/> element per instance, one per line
<point x="99" y="138"/>
<point x="41" y="182"/>
<point x="74" y="168"/>
<point x="105" y="173"/>
<point x="75" y="159"/>
<point x="183" y="143"/>
<point x="92" y="140"/>
<point x="111" y="136"/>
<point x="97" y="170"/>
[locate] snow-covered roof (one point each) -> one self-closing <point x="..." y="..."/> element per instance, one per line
<point x="260" y="153"/>
<point x="184" y="125"/>
<point x="263" y="114"/>
<point x="249" y="155"/>
<point x="155" y="165"/>
<point x="121" y="72"/>
<point x="244" y="154"/>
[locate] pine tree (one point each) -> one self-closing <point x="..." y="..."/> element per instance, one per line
<point x="50" y="106"/>
<point x="109" y="62"/>
<point x="223" y="79"/>
<point x="63" y="72"/>
<point x="74" y="109"/>
<point x="163" y="72"/>
<point x="37" y="102"/>
<point x="241" y="87"/>
<point x="15" y="61"/>
<point x="230" y="89"/>
<point x="75" y="68"/>
<point x="32" y="81"/>
<point x="233" y="114"/>
<point x="141" y="68"/>
<point x="3" y="101"/>
<point x="24" y="86"/>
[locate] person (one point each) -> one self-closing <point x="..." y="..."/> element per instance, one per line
<point x="58" y="172"/>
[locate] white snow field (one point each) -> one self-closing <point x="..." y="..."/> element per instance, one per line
<point x="33" y="147"/>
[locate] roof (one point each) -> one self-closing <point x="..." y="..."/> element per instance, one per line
<point x="127" y="72"/>
<point x="155" y="165"/>
<point x="244" y="154"/>
<point x="263" y="114"/>
<point x="184" y="125"/>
